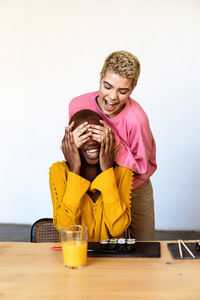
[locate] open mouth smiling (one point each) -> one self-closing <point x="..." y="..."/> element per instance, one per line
<point x="109" y="105"/>
<point x="92" y="153"/>
<point x="110" y="102"/>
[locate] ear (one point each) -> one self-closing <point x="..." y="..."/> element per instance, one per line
<point x="132" y="90"/>
<point x="133" y="87"/>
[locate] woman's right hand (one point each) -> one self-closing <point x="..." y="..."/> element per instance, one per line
<point x="79" y="137"/>
<point x="71" y="152"/>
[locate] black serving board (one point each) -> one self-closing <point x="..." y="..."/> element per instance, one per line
<point x="140" y="249"/>
<point x="174" y="250"/>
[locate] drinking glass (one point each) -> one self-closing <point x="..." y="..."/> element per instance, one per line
<point x="74" y="240"/>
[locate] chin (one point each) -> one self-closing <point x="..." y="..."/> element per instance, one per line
<point x="92" y="162"/>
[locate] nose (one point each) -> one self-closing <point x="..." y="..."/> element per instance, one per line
<point x="91" y="142"/>
<point x="113" y="94"/>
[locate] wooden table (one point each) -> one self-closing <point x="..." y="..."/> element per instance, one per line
<point x="33" y="271"/>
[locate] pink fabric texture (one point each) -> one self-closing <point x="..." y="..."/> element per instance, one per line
<point x="137" y="149"/>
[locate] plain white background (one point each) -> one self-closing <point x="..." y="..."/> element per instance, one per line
<point x="53" y="50"/>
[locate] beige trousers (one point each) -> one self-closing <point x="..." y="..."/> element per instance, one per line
<point x="142" y="226"/>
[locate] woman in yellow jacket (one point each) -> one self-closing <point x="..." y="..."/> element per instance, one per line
<point x="87" y="188"/>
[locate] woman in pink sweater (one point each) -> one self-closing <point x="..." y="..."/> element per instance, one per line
<point x="135" y="145"/>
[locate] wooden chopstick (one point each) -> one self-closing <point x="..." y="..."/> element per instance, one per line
<point x="189" y="251"/>
<point x="180" y="249"/>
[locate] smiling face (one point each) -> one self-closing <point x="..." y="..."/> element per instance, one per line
<point x="114" y="91"/>
<point x="90" y="150"/>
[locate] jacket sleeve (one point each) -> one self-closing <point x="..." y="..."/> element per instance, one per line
<point x="115" y="192"/>
<point x="67" y="190"/>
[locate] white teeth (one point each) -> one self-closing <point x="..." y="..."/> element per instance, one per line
<point x="92" y="150"/>
<point x="110" y="102"/>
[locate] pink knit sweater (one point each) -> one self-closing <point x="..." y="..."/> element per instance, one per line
<point x="137" y="149"/>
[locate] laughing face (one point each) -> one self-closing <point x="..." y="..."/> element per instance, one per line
<point x="90" y="150"/>
<point x="113" y="93"/>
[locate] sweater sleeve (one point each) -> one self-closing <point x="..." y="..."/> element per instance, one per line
<point x="115" y="192"/>
<point x="138" y="152"/>
<point x="67" y="190"/>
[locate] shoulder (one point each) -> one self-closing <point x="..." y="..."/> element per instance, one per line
<point x="134" y="114"/>
<point x="135" y="108"/>
<point x="58" y="168"/>
<point x="83" y="97"/>
<point x="85" y="101"/>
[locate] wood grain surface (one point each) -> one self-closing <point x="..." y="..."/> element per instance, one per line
<point x="34" y="271"/>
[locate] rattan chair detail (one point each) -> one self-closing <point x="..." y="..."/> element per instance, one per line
<point x="43" y="231"/>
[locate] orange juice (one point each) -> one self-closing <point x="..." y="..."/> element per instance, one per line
<point x="74" y="253"/>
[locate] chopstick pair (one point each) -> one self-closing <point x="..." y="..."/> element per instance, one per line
<point x="180" y="249"/>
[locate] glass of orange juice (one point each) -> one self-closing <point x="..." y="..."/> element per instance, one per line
<point x="74" y="240"/>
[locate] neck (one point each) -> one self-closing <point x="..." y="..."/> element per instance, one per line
<point x="89" y="172"/>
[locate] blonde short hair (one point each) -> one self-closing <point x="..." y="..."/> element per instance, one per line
<point x="124" y="64"/>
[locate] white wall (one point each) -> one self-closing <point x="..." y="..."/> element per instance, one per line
<point x="53" y="50"/>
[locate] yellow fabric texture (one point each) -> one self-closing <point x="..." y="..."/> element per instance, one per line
<point x="108" y="217"/>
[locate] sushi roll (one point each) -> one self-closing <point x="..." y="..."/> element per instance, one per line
<point x="122" y="244"/>
<point x="104" y="244"/>
<point x="130" y="244"/>
<point x="113" y="244"/>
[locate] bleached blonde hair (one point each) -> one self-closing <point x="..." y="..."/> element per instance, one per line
<point x="124" y="64"/>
